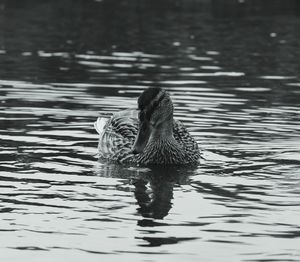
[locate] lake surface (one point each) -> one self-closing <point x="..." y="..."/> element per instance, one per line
<point x="235" y="84"/>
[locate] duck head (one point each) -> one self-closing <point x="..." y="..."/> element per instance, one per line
<point x="155" y="117"/>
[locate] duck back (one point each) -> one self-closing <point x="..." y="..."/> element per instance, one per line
<point x="117" y="133"/>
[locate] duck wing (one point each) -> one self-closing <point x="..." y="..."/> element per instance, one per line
<point x="183" y="137"/>
<point x="117" y="133"/>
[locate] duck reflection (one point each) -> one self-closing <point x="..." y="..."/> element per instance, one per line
<point x="153" y="187"/>
<point x="154" y="193"/>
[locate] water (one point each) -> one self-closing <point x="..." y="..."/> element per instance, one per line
<point x="235" y="84"/>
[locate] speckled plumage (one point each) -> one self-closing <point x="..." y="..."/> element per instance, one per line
<point x="119" y="132"/>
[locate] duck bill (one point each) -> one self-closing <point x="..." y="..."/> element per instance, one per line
<point x="141" y="138"/>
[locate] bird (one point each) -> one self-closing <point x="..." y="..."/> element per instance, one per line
<point x="148" y="135"/>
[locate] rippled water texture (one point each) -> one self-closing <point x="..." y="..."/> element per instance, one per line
<point x="235" y="84"/>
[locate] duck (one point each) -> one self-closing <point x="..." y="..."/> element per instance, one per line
<point x="148" y="135"/>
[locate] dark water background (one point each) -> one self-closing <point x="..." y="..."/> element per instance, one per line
<point x="232" y="68"/>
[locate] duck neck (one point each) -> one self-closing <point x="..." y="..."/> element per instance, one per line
<point x="162" y="132"/>
<point x="162" y="148"/>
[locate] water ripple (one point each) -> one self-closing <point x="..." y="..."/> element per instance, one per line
<point x="237" y="100"/>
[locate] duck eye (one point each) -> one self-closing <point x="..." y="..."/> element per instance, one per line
<point x="155" y="103"/>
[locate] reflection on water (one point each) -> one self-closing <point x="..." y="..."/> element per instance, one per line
<point x="234" y="80"/>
